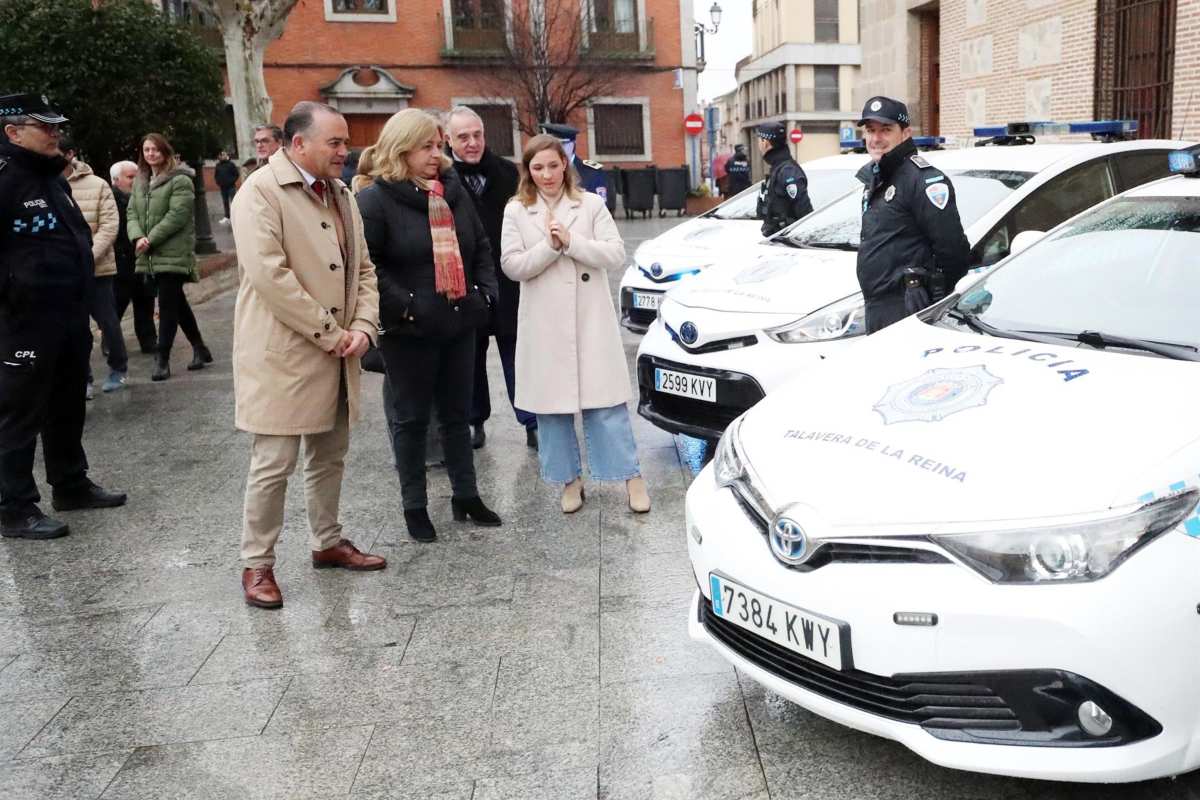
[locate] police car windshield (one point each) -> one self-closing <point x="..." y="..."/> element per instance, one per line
<point x="1126" y="270"/>
<point x="824" y="186"/>
<point x="839" y="224"/>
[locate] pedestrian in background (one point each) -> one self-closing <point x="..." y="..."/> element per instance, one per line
<point x="491" y="182"/>
<point x="437" y="288"/>
<point x="719" y="173"/>
<point x="783" y="197"/>
<point x="307" y="308"/>
<point x="913" y="249"/>
<point x="128" y="286"/>
<point x="46" y="275"/>
<point x="226" y="175"/>
<point x="560" y="243"/>
<point x="99" y="208"/>
<point x="737" y="171"/>
<point x="267" y="141"/>
<point x="362" y="171"/>
<point x="162" y="228"/>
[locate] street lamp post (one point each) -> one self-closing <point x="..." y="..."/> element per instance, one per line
<point x="714" y="13"/>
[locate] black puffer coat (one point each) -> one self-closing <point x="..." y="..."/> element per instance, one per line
<point x="396" y="223"/>
<point x="499" y="187"/>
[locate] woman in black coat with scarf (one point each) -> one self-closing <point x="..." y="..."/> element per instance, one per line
<point x="437" y="286"/>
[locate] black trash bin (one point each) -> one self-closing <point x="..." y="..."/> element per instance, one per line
<point x="612" y="183"/>
<point x="638" y="194"/>
<point x="672" y="190"/>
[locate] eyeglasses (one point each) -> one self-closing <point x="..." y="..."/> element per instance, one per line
<point x="46" y="127"/>
<point x="262" y="141"/>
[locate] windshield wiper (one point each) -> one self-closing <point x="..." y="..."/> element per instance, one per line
<point x="1101" y="340"/>
<point x="848" y="246"/>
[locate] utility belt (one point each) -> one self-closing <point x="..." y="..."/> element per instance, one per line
<point x="922" y="287"/>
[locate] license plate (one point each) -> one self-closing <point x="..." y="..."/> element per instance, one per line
<point x="650" y="302"/>
<point x="682" y="384"/>
<point x="803" y="632"/>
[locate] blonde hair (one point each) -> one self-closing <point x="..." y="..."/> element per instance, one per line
<point x="406" y="131"/>
<point x="527" y="191"/>
<point x="362" y="176"/>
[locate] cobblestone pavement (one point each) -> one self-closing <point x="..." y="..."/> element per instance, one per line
<point x="544" y="659"/>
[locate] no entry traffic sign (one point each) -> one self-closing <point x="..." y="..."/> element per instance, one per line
<point x="796" y="135"/>
<point x="693" y="124"/>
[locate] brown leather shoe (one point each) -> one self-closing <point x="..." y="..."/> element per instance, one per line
<point x="260" y="588"/>
<point x="345" y="555"/>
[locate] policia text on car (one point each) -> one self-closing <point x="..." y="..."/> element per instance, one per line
<point x="913" y="249"/>
<point x="46" y="274"/>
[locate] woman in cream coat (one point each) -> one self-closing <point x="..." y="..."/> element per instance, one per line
<point x="559" y="242"/>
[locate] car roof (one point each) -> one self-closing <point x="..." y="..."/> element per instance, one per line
<point x="1171" y="186"/>
<point x="1038" y="157"/>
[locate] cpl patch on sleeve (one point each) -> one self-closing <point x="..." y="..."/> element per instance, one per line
<point x="792" y="190"/>
<point x="938" y="194"/>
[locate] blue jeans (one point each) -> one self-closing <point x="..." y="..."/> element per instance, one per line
<point x="612" y="454"/>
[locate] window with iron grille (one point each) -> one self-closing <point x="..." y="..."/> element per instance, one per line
<point x="360" y="6"/>
<point x="497" y="127"/>
<point x="1135" y="63"/>
<point x="619" y="129"/>
<point x="825" y="88"/>
<point x="825" y="18"/>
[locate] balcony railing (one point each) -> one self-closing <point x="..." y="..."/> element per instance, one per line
<point x="476" y="35"/>
<point x="609" y="39"/>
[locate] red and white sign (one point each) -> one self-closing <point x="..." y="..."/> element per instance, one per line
<point x="796" y="135"/>
<point x="693" y="124"/>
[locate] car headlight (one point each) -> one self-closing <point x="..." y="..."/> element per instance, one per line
<point x="840" y="320"/>
<point x="1084" y="551"/>
<point x="728" y="466"/>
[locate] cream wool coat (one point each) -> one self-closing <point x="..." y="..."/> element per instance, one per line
<point x="99" y="207"/>
<point x="297" y="295"/>
<point x="569" y="352"/>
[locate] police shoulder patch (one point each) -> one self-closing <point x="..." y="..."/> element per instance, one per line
<point x="593" y="164"/>
<point x="792" y="189"/>
<point x="917" y="159"/>
<point x="938" y="194"/>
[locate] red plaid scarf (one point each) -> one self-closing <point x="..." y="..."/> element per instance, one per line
<point x="448" y="275"/>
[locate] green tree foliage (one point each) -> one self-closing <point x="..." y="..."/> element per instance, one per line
<point x="117" y="71"/>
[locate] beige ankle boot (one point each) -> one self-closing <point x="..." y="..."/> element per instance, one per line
<point x="572" y="496"/>
<point x="639" y="496"/>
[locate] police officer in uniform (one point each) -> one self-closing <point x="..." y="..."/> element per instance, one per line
<point x="783" y="197"/>
<point x="737" y="170"/>
<point x="46" y="274"/>
<point x="591" y="173"/>
<point x="913" y="249"/>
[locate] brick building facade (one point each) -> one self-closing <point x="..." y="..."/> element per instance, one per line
<point x="371" y="58"/>
<point x="963" y="63"/>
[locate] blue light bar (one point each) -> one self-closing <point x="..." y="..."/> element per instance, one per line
<point x="992" y="130"/>
<point x="929" y="141"/>
<point x="852" y="144"/>
<point x="1182" y="162"/>
<point x="1105" y="126"/>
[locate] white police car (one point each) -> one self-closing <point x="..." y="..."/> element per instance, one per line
<point x="980" y="538"/>
<point x="722" y="232"/>
<point x="728" y="337"/>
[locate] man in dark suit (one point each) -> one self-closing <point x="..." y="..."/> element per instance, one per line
<point x="491" y="182"/>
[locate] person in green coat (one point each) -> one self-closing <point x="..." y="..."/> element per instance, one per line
<point x="162" y="227"/>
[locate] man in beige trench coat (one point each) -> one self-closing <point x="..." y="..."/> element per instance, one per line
<point x="307" y="308"/>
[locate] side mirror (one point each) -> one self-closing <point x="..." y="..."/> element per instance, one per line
<point x="971" y="277"/>
<point x="1023" y="240"/>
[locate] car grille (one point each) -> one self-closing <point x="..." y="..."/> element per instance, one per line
<point x="845" y="552"/>
<point x="932" y="701"/>
<point x="736" y="392"/>
<point x="641" y="316"/>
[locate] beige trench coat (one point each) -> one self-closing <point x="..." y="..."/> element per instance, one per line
<point x="569" y="352"/>
<point x="99" y="207"/>
<point x="298" y="293"/>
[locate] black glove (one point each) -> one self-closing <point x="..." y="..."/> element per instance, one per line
<point x="916" y="296"/>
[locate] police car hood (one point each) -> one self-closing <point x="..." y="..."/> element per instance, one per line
<point x="772" y="279"/>
<point x="696" y="244"/>
<point x="927" y="427"/>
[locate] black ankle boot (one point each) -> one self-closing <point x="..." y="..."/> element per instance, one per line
<point x="162" y="367"/>
<point x="420" y="527"/>
<point x="201" y="355"/>
<point x="473" y="508"/>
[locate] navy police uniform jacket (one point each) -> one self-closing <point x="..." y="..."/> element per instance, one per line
<point x="45" y="244"/>
<point x="591" y="176"/>
<point x="910" y="219"/>
<point x="783" y="198"/>
<point x="737" y="171"/>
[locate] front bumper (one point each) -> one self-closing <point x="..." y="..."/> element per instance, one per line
<point x="991" y="686"/>
<point x="637" y="319"/>
<point x="698" y="418"/>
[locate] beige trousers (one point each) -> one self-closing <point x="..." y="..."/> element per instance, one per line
<point x="272" y="461"/>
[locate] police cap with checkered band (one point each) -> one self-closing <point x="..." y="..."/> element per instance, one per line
<point x="887" y="110"/>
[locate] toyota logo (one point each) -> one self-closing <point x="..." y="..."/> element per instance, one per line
<point x="656" y="269"/>
<point x="788" y="541"/>
<point x="688" y="333"/>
